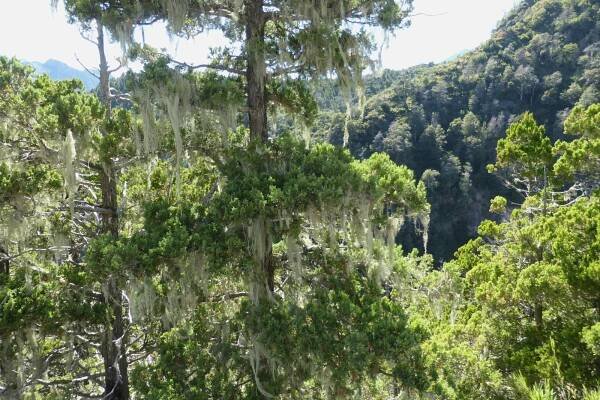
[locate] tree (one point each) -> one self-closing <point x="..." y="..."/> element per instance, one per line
<point x="48" y="293"/>
<point x="282" y="43"/>
<point x="578" y="159"/>
<point x="398" y="142"/>
<point x="93" y="18"/>
<point x="526" y="154"/>
<point x="280" y="39"/>
<point x="522" y="276"/>
<point x="526" y="78"/>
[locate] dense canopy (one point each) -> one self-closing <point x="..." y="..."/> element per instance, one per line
<point x="260" y="226"/>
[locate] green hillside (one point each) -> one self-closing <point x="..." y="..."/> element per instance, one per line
<point x="443" y="121"/>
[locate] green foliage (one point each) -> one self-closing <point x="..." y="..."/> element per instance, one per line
<point x="288" y="177"/>
<point x="591" y="338"/>
<point x="117" y="138"/>
<point x="498" y="205"/>
<point x="29" y="181"/>
<point x="522" y="311"/>
<point x="526" y="150"/>
<point x="295" y="97"/>
<point x="193" y="347"/>
<point x="578" y="158"/>
<point x="342" y="312"/>
<point x="537" y="392"/>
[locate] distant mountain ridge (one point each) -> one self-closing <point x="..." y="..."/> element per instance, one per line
<point x="58" y="70"/>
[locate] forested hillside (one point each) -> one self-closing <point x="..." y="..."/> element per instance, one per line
<point x="181" y="233"/>
<point x="443" y="121"/>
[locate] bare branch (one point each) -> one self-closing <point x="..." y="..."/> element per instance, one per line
<point x="208" y="66"/>
<point x="86" y="68"/>
<point x="122" y="63"/>
<point x="92" y="208"/>
<point x="79" y="379"/>
<point x="422" y="14"/>
<point x="88" y="39"/>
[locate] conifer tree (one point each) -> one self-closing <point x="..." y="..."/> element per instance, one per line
<point x="92" y="21"/>
<point x="57" y="304"/>
<point x="281" y="45"/>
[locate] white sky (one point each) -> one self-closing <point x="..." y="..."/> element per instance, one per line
<point x="30" y="30"/>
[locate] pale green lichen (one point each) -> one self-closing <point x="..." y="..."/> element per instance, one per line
<point x="70" y="179"/>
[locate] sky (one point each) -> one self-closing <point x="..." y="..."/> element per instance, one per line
<point x="440" y="29"/>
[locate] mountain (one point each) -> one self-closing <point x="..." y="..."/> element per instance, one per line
<point x="444" y="120"/>
<point x="60" y="71"/>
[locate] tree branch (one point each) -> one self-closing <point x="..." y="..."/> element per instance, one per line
<point x="208" y="66"/>
<point x="86" y="68"/>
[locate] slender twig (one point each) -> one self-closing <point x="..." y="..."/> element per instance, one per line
<point x="88" y="39"/>
<point x="86" y="68"/>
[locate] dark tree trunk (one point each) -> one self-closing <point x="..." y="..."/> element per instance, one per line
<point x="4" y="262"/>
<point x="114" y="349"/>
<point x="256" y="72"/>
<point x="538" y="315"/>
<point x="256" y="76"/>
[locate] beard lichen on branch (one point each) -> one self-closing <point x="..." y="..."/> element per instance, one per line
<point x="167" y="100"/>
<point x="177" y="102"/>
<point x="70" y="177"/>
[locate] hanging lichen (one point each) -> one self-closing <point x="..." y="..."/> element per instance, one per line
<point x="177" y="11"/>
<point x="70" y="179"/>
<point x="424" y="220"/>
<point x="142" y="298"/>
<point x="174" y="293"/>
<point x="123" y="32"/>
<point x="177" y="102"/>
<point x="393" y="226"/>
<point x="362" y="98"/>
<point x="138" y="141"/>
<point x="256" y="354"/>
<point x="175" y="97"/>
<point x="294" y="256"/>
<point x="259" y="246"/>
<point x="146" y="110"/>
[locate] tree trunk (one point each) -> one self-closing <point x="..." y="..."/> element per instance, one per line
<point x="4" y="262"/>
<point x="116" y="382"/>
<point x="538" y="315"/>
<point x="256" y="76"/>
<point x="256" y="72"/>
<point x="114" y="349"/>
<point x="104" y="85"/>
